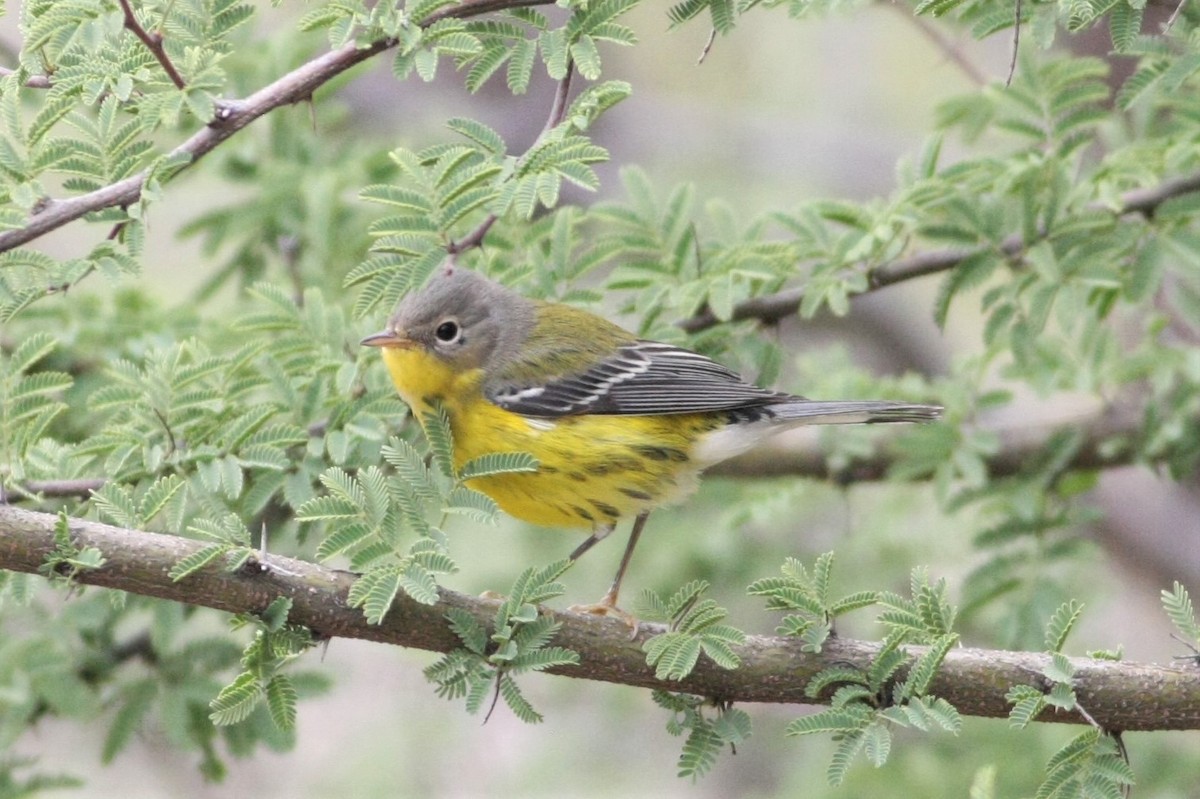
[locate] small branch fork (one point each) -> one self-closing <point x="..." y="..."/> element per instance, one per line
<point x="1118" y="695"/>
<point x="153" y="42"/>
<point x="558" y="111"/>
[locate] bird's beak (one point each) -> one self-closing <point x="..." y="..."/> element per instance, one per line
<point x="386" y="338"/>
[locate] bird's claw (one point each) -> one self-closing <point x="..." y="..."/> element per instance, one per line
<point x="608" y="608"/>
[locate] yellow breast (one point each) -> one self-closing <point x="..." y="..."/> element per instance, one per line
<point x="593" y="470"/>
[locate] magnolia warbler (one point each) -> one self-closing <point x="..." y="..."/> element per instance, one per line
<point x="618" y="425"/>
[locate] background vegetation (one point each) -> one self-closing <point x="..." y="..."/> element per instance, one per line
<point x="206" y="204"/>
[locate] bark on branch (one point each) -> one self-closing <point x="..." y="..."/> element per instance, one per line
<point x="1119" y="696"/>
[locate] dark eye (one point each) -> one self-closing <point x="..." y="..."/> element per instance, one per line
<point x="447" y="331"/>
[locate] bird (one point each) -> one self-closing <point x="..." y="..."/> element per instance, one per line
<point x="618" y="425"/>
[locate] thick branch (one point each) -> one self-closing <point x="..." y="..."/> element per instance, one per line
<point x="232" y="116"/>
<point x="773" y="307"/>
<point x="1119" y="696"/>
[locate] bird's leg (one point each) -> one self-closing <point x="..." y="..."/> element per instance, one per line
<point x="591" y="541"/>
<point x="635" y="533"/>
<point x="597" y="535"/>
<point x="607" y="606"/>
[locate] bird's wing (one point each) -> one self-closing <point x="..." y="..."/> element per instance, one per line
<point x="643" y="378"/>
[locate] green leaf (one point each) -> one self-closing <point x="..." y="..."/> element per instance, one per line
<point x="1178" y="605"/>
<point x="436" y="423"/>
<point x="375" y="591"/>
<point x="136" y="698"/>
<point x="516" y="701"/>
<point x="419" y="584"/>
<point x="196" y="561"/>
<point x="498" y="463"/>
<point x="1061" y="623"/>
<point x="236" y="701"/>
<point x="281" y="702"/>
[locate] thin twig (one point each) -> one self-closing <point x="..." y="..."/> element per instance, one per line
<point x="558" y="111"/>
<point x="773" y="307"/>
<point x="1021" y="448"/>
<point x="708" y="45"/>
<point x="289" y="251"/>
<point x="153" y="42"/>
<point x="1016" y="44"/>
<point x="951" y="50"/>
<point x="80" y="488"/>
<point x="474" y="238"/>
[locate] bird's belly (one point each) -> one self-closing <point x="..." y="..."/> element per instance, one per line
<point x="592" y="470"/>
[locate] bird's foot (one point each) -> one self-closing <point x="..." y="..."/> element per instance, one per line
<point x="608" y="607"/>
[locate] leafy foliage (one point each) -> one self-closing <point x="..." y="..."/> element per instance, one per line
<point x="800" y="590"/>
<point x="865" y="705"/>
<point x="369" y="511"/>
<point x="706" y="736"/>
<point x="67" y="559"/>
<point x="693" y="627"/>
<point x="1092" y="761"/>
<point x="1178" y="605"/>
<point x="518" y="643"/>
<point x="260" y="681"/>
<point x="242" y="410"/>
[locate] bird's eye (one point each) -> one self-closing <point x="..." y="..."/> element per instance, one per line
<point x="447" y="331"/>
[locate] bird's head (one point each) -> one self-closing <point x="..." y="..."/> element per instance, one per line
<point x="464" y="319"/>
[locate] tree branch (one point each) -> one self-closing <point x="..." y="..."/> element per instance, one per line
<point x="773" y="307"/>
<point x="80" y="488"/>
<point x="1119" y="696"/>
<point x="948" y="48"/>
<point x="799" y="454"/>
<point x="232" y="116"/>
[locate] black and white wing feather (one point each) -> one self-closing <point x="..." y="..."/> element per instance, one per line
<point x="644" y="378"/>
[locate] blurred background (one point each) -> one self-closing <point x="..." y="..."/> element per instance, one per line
<point x="780" y="112"/>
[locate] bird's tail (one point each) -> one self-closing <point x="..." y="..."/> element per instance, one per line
<point x="853" y="411"/>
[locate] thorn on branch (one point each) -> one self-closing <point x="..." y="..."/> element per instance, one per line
<point x="253" y="567"/>
<point x="708" y="45"/>
<point x="1170" y="23"/>
<point x="1194" y="657"/>
<point x="153" y="42"/>
<point x="224" y="111"/>
<point x="474" y="238"/>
